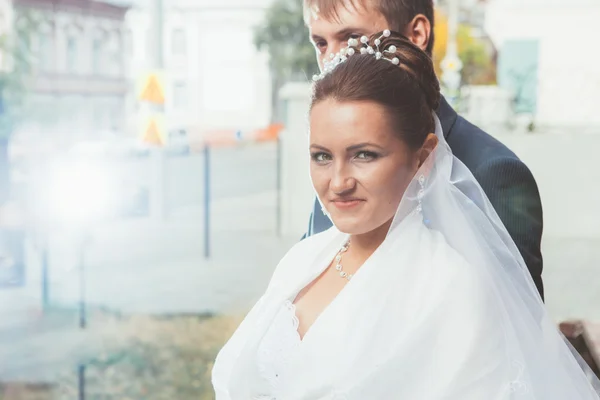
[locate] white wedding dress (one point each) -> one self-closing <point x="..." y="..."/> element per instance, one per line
<point x="444" y="309"/>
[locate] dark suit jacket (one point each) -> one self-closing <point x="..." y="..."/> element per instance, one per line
<point x="505" y="179"/>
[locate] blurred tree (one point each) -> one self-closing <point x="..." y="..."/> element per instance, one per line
<point x="284" y="36"/>
<point x="479" y="66"/>
<point x="15" y="67"/>
<point x="17" y="57"/>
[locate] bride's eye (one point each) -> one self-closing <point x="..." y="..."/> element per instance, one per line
<point x="366" y="155"/>
<point x="320" y="157"/>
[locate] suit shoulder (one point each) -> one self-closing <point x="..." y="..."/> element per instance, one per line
<point x="475" y="147"/>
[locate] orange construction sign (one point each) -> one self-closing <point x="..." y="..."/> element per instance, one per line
<point x="152" y="90"/>
<point x="268" y="134"/>
<point x="154" y="132"/>
<point x="232" y="137"/>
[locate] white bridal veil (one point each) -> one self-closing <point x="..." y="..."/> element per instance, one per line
<point x="544" y="365"/>
<point x="444" y="309"/>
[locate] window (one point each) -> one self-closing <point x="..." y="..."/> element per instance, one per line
<point x="71" y="54"/>
<point x="97" y="49"/>
<point x="45" y="49"/>
<point x="24" y="50"/>
<point x="180" y="100"/>
<point x="128" y="43"/>
<point x="150" y="45"/>
<point x="113" y="51"/>
<point x="178" y="42"/>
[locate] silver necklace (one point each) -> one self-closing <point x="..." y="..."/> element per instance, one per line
<point x="338" y="261"/>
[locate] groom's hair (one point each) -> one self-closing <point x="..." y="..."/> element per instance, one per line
<point x="398" y="13"/>
<point x="409" y="91"/>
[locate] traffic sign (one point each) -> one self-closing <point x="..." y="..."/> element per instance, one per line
<point x="152" y="88"/>
<point x="154" y="131"/>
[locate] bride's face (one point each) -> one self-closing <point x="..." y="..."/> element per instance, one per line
<point x="359" y="166"/>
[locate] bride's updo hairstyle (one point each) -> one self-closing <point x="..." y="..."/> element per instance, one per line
<point x="404" y="83"/>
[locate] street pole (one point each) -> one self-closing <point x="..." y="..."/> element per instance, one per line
<point x="45" y="277"/>
<point x="158" y="157"/>
<point x="278" y="210"/>
<point x="451" y="64"/>
<point x="207" y="199"/>
<point x="82" y="316"/>
<point x="158" y="23"/>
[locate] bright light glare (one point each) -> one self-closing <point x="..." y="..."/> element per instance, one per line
<point x="80" y="193"/>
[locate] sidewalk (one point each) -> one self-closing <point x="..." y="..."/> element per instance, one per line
<point x="180" y="236"/>
<point x="40" y="350"/>
<point x="230" y="281"/>
<point x="147" y="267"/>
<point x="572" y="277"/>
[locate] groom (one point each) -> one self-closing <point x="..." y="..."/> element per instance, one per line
<point x="506" y="180"/>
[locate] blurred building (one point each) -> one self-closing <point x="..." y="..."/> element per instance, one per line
<point x="547" y="59"/>
<point x="471" y="12"/>
<point x="78" y="86"/>
<point x="215" y="79"/>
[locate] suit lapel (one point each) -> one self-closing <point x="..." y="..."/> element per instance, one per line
<point x="319" y="222"/>
<point x="447" y="116"/>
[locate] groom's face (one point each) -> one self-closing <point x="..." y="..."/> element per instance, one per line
<point x="353" y="21"/>
<point x="360" y="168"/>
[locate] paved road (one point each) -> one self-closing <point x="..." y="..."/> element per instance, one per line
<point x="129" y="264"/>
<point x="233" y="172"/>
<point x="166" y="272"/>
<point x="141" y="266"/>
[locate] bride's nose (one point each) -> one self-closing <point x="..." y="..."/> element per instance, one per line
<point x="342" y="180"/>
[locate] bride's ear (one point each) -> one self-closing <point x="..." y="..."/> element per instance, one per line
<point x="429" y="145"/>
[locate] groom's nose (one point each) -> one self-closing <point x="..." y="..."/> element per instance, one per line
<point x="332" y="50"/>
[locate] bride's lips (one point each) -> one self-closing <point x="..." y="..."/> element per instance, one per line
<point x="345" y="204"/>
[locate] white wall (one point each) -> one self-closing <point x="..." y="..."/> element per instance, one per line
<point x="297" y="193"/>
<point x="566" y="169"/>
<point x="488" y="106"/>
<point x="569" y="72"/>
<point x="227" y="82"/>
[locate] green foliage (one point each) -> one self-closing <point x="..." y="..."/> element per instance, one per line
<point x="141" y="357"/>
<point x="285" y="37"/>
<point x="17" y="54"/>
<point x="153" y="358"/>
<point x="478" y="66"/>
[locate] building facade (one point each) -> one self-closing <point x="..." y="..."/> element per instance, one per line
<point x="553" y="74"/>
<point x="214" y="77"/>
<point x="78" y="81"/>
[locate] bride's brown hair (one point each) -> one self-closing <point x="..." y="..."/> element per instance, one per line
<point x="409" y="91"/>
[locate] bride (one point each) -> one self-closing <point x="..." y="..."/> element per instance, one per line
<point x="418" y="292"/>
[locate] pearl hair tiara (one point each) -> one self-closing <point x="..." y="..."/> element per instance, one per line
<point x="343" y="54"/>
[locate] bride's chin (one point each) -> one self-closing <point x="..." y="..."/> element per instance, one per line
<point x="351" y="226"/>
<point x="360" y="225"/>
